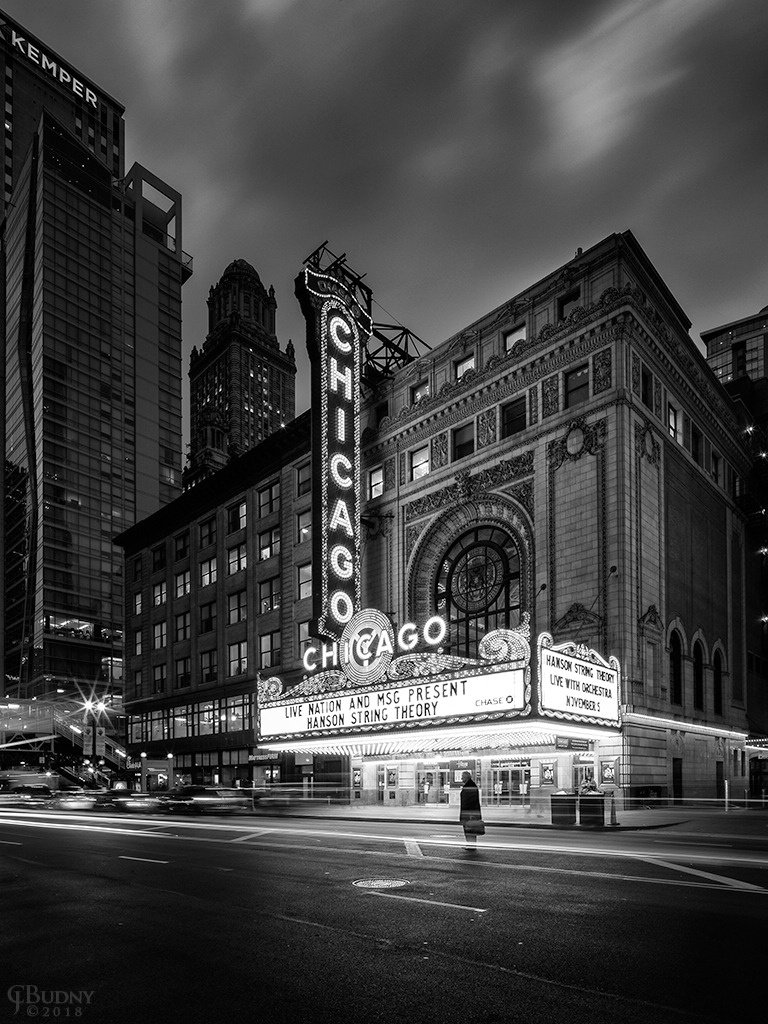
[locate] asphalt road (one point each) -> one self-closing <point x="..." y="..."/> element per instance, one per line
<point x="260" y="919"/>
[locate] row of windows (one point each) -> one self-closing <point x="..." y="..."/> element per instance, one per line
<point x="514" y="419"/>
<point x="676" y="676"/>
<point x="233" y="714"/>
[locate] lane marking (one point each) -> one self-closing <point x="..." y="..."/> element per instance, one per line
<point x="432" y="903"/>
<point x="251" y="835"/>
<point x="146" y="860"/>
<point x="413" y="849"/>
<point x="723" y="879"/>
<point x="9" y="842"/>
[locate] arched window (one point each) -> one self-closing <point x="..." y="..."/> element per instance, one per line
<point x="698" y="676"/>
<point x="717" y="683"/>
<point x="675" y="669"/>
<point x="478" y="587"/>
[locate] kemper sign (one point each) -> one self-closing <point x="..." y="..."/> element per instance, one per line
<point x="428" y="702"/>
<point x="337" y="327"/>
<point x="576" y="683"/>
<point x="51" y="65"/>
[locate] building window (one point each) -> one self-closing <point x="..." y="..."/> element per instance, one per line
<point x="304" y="479"/>
<point x="305" y="580"/>
<point x="419" y="392"/>
<point x="208" y="572"/>
<point x="513" y="417"/>
<point x="236" y="517"/>
<point x="209" y="666"/>
<point x="716" y="468"/>
<point x="137" y="645"/>
<point x="717" y="684"/>
<point x="269" y="595"/>
<point x="419" y="462"/>
<point x="238" y="658"/>
<point x="478" y="587"/>
<point x="514" y="337"/>
<point x="158" y="558"/>
<point x="269" y="543"/>
<point x="207" y="617"/>
<point x="237" y="559"/>
<point x="160" y="635"/>
<point x="181" y="545"/>
<point x="269" y="649"/>
<point x="137" y="603"/>
<point x="463" y="366"/>
<point x="303" y="526"/>
<point x="697" y="447"/>
<point x="183" y="626"/>
<point x="208" y="532"/>
<point x="698" y="677"/>
<point x="159" y="593"/>
<point x="646" y="387"/>
<point x="576" y="386"/>
<point x="183" y="583"/>
<point x="237" y="607"/>
<point x="675" y="669"/>
<point x="183" y="673"/>
<point x="138" y="683"/>
<point x="159" y="677"/>
<point x="464" y="441"/>
<point x="567" y="303"/>
<point x="303" y="637"/>
<point x="269" y="499"/>
<point x="380" y="412"/>
<point x="675" y="423"/>
<point x="137" y="568"/>
<point x="376" y="482"/>
<point x="739" y="359"/>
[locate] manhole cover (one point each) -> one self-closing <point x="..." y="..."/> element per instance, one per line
<point x="380" y="883"/>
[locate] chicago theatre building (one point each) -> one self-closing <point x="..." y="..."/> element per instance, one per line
<point x="527" y="559"/>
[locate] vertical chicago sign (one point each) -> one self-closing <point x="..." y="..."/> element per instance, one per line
<point x="337" y="328"/>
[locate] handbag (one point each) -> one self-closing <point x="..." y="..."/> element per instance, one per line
<point x="475" y="827"/>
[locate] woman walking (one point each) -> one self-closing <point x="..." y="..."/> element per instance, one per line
<point x="470" y="815"/>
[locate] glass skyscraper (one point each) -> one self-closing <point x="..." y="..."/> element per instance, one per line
<point x="92" y="274"/>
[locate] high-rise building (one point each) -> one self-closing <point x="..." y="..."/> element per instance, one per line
<point x="242" y="386"/>
<point x="92" y="275"/>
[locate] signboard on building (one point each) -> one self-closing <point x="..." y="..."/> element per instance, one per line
<point x="576" y="684"/>
<point x="428" y="702"/>
<point x="337" y="328"/>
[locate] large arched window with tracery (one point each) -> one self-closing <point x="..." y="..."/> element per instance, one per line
<point x="477" y="588"/>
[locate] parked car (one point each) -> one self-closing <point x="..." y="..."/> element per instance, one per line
<point x="206" y="800"/>
<point x="127" y="800"/>
<point x="26" y="796"/>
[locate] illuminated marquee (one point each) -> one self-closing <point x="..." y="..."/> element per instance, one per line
<point x="337" y="327"/>
<point x="431" y="702"/>
<point x="577" y="684"/>
<point x="51" y="65"/>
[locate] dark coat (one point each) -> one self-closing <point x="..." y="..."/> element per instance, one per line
<point x="470" y="802"/>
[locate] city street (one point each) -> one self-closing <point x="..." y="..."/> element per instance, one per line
<point x="324" y="919"/>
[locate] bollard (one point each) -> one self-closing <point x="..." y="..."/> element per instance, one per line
<point x="613" y="809"/>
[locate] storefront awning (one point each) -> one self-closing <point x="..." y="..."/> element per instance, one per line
<point x="443" y="741"/>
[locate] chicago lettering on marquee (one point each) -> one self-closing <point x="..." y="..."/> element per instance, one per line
<point x="337" y="328"/>
<point x="34" y="52"/>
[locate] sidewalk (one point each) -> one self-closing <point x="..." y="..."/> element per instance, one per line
<point x="699" y="820"/>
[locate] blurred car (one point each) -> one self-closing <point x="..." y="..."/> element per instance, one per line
<point x="75" y="799"/>
<point x="127" y="800"/>
<point x="206" y="800"/>
<point x="26" y="796"/>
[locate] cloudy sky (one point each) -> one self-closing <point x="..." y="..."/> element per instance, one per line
<point x="455" y="150"/>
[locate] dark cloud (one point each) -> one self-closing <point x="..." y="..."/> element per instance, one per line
<point x="456" y="150"/>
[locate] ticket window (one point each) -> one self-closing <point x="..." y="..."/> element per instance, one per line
<point x="581" y="774"/>
<point x="381" y="778"/>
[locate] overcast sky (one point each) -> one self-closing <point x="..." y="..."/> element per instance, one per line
<point x="456" y="150"/>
